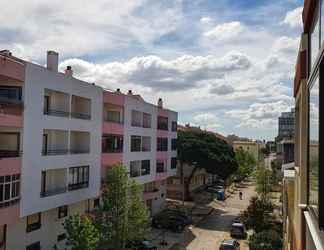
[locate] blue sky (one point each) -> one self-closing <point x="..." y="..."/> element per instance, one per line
<point x="226" y="65"/>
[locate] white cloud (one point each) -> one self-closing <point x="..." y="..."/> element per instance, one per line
<point x="222" y="89"/>
<point x="76" y="29"/>
<point x="225" y="32"/>
<point x="260" y="115"/>
<point x="153" y="72"/>
<point x="293" y="18"/>
<point x="207" y="121"/>
<point x="206" y="20"/>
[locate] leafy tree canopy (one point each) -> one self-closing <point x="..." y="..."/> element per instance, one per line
<point x="266" y="240"/>
<point x="205" y="150"/>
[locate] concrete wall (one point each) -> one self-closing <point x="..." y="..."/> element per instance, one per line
<point x="37" y="80"/>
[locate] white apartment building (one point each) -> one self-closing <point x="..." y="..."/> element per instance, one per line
<point x="58" y="136"/>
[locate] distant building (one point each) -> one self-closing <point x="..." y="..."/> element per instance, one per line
<point x="249" y="146"/>
<point x="286" y="125"/>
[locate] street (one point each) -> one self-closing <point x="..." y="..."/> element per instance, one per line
<point x="210" y="232"/>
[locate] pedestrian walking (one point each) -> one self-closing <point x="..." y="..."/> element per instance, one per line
<point x="241" y="195"/>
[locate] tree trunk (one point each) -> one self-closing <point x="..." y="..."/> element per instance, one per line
<point x="187" y="184"/>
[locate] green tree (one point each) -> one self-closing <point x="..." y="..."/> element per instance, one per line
<point x="266" y="240"/>
<point x="81" y="233"/>
<point x="123" y="215"/>
<point x="246" y="163"/>
<point x="258" y="215"/>
<point x="203" y="150"/>
<point x="264" y="180"/>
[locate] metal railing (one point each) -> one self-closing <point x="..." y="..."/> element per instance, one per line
<point x="80" y="116"/>
<point x="113" y="121"/>
<point x="11" y="202"/>
<point x="55" y="151"/>
<point x="10" y="153"/>
<point x="59" y="113"/>
<point x="54" y="191"/>
<point x="80" y="185"/>
<point x="79" y="151"/>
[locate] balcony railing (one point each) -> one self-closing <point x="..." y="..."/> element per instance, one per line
<point x="81" y="116"/>
<point x="10" y="153"/>
<point x="160" y="169"/>
<point x="9" y="203"/>
<point x="79" y="151"/>
<point x="154" y="190"/>
<point x="4" y="100"/>
<point x="54" y="112"/>
<point x="55" y="151"/>
<point x="51" y="192"/>
<point x="78" y="185"/>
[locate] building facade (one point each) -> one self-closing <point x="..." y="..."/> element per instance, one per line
<point x="59" y="136"/>
<point x="249" y="146"/>
<point x="305" y="216"/>
<point x="286" y="125"/>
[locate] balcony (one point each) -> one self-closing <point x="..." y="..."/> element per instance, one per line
<point x="79" y="142"/>
<point x="55" y="142"/>
<point x="11" y="106"/>
<point x="53" y="182"/>
<point x="56" y="103"/>
<point x="81" y="108"/>
<point x="9" y="144"/>
<point x="113" y="116"/>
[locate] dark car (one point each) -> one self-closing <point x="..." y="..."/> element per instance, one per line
<point x="141" y="245"/>
<point x="170" y="220"/>
<point x="238" y="231"/>
<point x="229" y="245"/>
<point x="237" y="220"/>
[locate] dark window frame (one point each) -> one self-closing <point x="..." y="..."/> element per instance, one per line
<point x="162" y="144"/>
<point x="34" y="246"/>
<point x="135" y="147"/>
<point x="109" y="147"/>
<point x="173" y="163"/>
<point x="76" y="172"/>
<point x="163" y="123"/>
<point x="62" y="211"/>
<point x="174" y="144"/>
<point x="34" y="226"/>
<point x="174" y="126"/>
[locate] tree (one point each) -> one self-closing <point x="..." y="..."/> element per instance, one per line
<point x="123" y="215"/>
<point x="81" y="233"/>
<point x="258" y="214"/>
<point x="266" y="240"/>
<point x="246" y="163"/>
<point x="203" y="150"/>
<point x="264" y="181"/>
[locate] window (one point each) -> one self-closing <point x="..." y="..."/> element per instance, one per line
<point x="9" y="144"/>
<point x="78" y="177"/>
<point x="315" y="38"/>
<point x="136" y="118"/>
<point x="9" y="189"/>
<point x="10" y="92"/>
<point x="174" y="126"/>
<point x="147" y="120"/>
<point x="96" y="203"/>
<point x="34" y="246"/>
<point x="114" y="116"/>
<point x="313" y="148"/>
<point x="135" y="143"/>
<point x="145" y="168"/>
<point x="162" y="123"/>
<point x="62" y="211"/>
<point x="160" y="166"/>
<point x="112" y="143"/>
<point x="33" y="222"/>
<point x="146" y="143"/>
<point x="135" y="168"/>
<point x="173" y="162"/>
<point x="162" y="144"/>
<point x="173" y="144"/>
<point x="61" y="237"/>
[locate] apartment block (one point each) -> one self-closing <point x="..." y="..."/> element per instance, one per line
<point x="303" y="188"/>
<point x="58" y="138"/>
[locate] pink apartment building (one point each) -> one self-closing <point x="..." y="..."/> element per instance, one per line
<point x="59" y="136"/>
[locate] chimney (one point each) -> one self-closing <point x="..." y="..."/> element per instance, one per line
<point x="160" y="103"/>
<point x="69" y="71"/>
<point x="130" y="92"/>
<point x="52" y="60"/>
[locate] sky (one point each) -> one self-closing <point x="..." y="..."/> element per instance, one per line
<point x="224" y="65"/>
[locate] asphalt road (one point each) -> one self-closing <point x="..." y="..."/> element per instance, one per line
<point x="212" y="230"/>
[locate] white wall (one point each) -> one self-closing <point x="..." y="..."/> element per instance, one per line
<point x="37" y="80"/>
<point x="51" y="227"/>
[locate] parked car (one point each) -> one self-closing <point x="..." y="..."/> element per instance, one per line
<point x="238" y="231"/>
<point x="229" y="245"/>
<point x="237" y="220"/>
<point x="141" y="245"/>
<point x="171" y="220"/>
